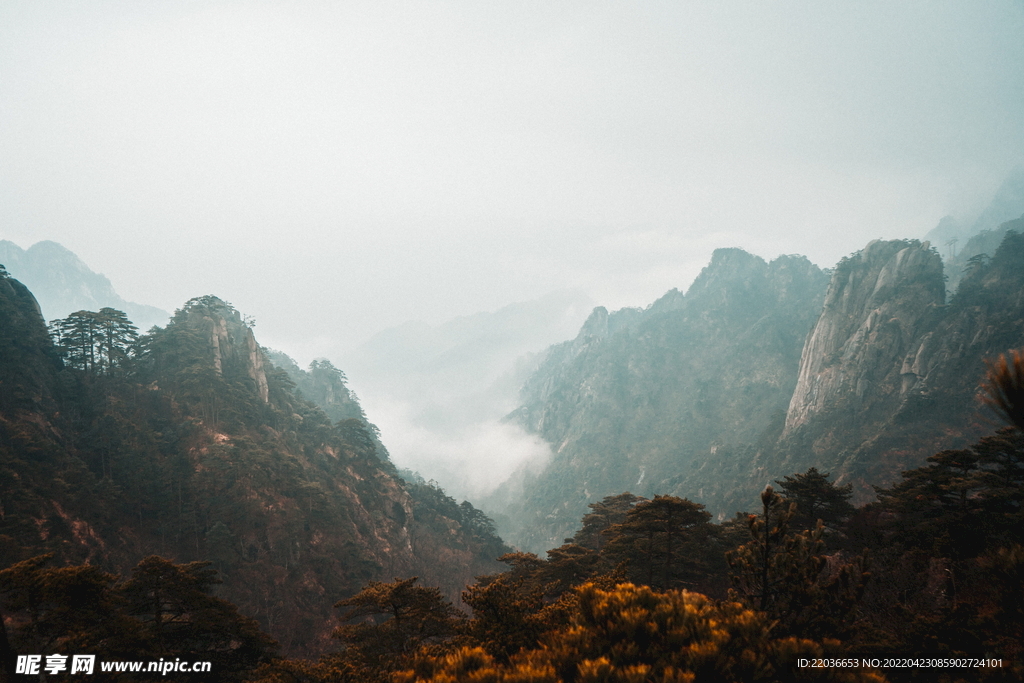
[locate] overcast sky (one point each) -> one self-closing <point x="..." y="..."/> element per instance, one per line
<point x="334" y="168"/>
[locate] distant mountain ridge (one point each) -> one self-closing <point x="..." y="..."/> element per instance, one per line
<point x="63" y="284"/>
<point x="957" y="243"/>
<point x="468" y="350"/>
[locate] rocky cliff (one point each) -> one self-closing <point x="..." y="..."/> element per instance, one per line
<point x="886" y="383"/>
<point x="28" y="363"/>
<point x="232" y="345"/>
<point x="880" y="303"/>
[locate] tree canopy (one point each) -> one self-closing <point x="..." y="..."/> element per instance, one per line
<point x="102" y="342"/>
<point x="816" y="498"/>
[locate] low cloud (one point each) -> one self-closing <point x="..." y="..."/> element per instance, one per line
<point x="469" y="461"/>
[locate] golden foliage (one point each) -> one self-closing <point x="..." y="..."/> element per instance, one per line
<point x="633" y="634"/>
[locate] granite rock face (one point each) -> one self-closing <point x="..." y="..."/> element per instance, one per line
<point x="888" y="382"/>
<point x="879" y="303"/>
<point x="232" y="343"/>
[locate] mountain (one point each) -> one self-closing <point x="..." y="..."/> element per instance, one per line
<point x="62" y="283"/>
<point x="1006" y="204"/>
<point x="191" y="444"/>
<point x="641" y="399"/>
<point x="759" y="372"/>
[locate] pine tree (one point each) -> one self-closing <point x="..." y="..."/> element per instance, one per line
<point x="396" y="619"/>
<point x="661" y="540"/>
<point x="964" y="500"/>
<point x="117" y="337"/>
<point x="784" y="574"/>
<point x="569" y="566"/>
<point x="77" y="336"/>
<point x="633" y="633"/>
<point x="507" y="615"/>
<point x="99" y="342"/>
<point x="179" y="617"/>
<point x="602" y="516"/>
<point x="817" y="498"/>
<point x="61" y="609"/>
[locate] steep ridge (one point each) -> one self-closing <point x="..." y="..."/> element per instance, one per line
<point x="982" y="244"/>
<point x="196" y="448"/>
<point x="323" y="384"/>
<point x="641" y="399"/>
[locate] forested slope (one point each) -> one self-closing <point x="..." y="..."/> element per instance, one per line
<point x="190" y="444"/>
<point x="644" y="400"/>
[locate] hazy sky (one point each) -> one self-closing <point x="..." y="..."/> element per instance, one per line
<point x="334" y="168"/>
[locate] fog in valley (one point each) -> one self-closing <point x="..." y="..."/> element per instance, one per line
<point x="431" y="194"/>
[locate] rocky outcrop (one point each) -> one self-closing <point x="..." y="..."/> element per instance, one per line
<point x="880" y="303"/>
<point x="27" y="361"/>
<point x="232" y="345"/>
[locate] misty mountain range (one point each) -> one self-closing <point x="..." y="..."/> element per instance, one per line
<point x="758" y="370"/>
<point x="762" y="369"/>
<point x="596" y="341"/>
<point x="440" y="392"/>
<point x="195" y="442"/>
<point x="1007" y="203"/>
